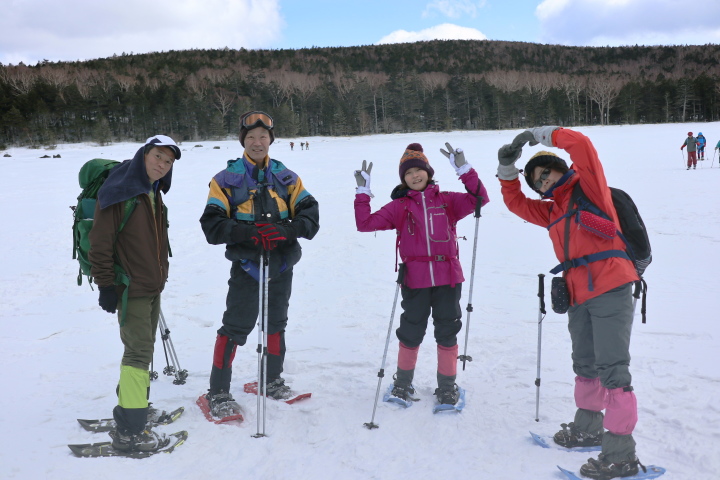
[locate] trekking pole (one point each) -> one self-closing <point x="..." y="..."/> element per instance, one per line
<point x="180" y="374"/>
<point x="541" y="316"/>
<point x="370" y="425"/>
<point x="262" y="345"/>
<point x="713" y="162"/>
<point x="465" y="357"/>
<point x="685" y="162"/>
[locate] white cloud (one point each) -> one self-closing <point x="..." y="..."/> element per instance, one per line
<point x="628" y="22"/>
<point x="82" y="29"/>
<point x="446" y="31"/>
<point x="454" y="8"/>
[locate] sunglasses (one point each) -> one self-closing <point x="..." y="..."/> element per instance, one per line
<point x="258" y="119"/>
<point x="543" y="176"/>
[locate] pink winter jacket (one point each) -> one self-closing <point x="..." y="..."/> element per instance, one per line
<point x="425" y="223"/>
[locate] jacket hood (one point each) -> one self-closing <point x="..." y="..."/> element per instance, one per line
<point x="130" y="179"/>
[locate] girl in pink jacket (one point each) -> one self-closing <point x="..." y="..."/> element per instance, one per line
<point x="424" y="219"/>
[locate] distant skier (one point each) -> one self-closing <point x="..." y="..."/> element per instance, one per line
<point x="701" y="146"/>
<point x="292" y="145"/>
<point x="425" y="221"/>
<point x="691" y="144"/>
<point x="599" y="282"/>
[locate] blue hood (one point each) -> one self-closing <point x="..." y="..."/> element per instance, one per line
<point x="130" y="179"/>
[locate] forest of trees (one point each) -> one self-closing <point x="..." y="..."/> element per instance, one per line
<point x="425" y="86"/>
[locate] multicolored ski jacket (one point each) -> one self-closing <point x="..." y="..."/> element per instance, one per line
<point x="245" y="193"/>
<point x="584" y="282"/>
<point x="425" y="223"/>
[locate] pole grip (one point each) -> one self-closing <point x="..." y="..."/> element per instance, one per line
<point x="541" y="291"/>
<point x="478" y="206"/>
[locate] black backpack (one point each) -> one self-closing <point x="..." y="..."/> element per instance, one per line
<point x="633" y="233"/>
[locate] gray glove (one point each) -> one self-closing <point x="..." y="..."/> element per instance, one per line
<point x="362" y="177"/>
<point x="457" y="159"/>
<point x="510" y="153"/>
<point x="543" y="135"/>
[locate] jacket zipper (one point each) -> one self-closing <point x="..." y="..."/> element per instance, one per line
<point x="427" y="238"/>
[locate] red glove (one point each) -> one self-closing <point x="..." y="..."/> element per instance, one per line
<point x="270" y="236"/>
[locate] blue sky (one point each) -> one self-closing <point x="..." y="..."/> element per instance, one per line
<point x="33" y="30"/>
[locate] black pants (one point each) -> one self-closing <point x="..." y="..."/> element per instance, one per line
<point x="242" y="308"/>
<point x="418" y="303"/>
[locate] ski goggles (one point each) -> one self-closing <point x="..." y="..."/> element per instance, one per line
<point x="258" y="119"/>
<point x="543" y="176"/>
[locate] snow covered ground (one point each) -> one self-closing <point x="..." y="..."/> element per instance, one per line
<point x="60" y="352"/>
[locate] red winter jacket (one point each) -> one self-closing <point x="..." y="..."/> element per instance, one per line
<point x="425" y="223"/>
<point x="606" y="274"/>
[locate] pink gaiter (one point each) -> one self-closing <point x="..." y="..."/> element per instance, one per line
<point x="407" y="357"/>
<point x="621" y="414"/>
<point x="447" y="360"/>
<point x="590" y="394"/>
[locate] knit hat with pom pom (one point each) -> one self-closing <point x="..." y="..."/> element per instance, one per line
<point x="414" y="157"/>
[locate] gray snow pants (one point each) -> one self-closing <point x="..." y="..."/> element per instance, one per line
<point x="600" y="332"/>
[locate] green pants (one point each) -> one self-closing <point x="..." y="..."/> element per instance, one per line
<point x="138" y="336"/>
<point x="138" y="333"/>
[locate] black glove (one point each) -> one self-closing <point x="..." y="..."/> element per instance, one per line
<point x="243" y="233"/>
<point x="108" y="298"/>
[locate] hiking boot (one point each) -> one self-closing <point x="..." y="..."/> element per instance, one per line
<point x="222" y="404"/>
<point x="278" y="390"/>
<point x="571" y="437"/>
<point x="448" y="394"/>
<point x="604" y="470"/>
<point x="157" y="417"/>
<point x="145" y="441"/>
<point x="405" y="392"/>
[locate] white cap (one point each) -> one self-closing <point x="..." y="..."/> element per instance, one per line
<point x="164" y="141"/>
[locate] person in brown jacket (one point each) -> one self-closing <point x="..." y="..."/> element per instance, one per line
<point x="132" y="197"/>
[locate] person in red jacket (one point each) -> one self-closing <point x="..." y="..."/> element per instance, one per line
<point x="425" y="220"/>
<point x="600" y="313"/>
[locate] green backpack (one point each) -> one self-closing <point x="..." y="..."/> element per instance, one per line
<point x="91" y="177"/>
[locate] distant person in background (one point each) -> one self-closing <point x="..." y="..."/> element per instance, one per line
<point x="701" y="146"/>
<point x="691" y="144"/>
<point x="255" y="204"/>
<point x="292" y="145"/>
<point x="141" y="250"/>
<point x="302" y="145"/>
<point x="307" y="145"/>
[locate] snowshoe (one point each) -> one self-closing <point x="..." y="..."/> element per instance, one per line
<point x="222" y="404"/>
<point x="145" y="441"/>
<point x="604" y="470"/>
<point x="277" y="389"/>
<point x="571" y="437"/>
<point x="447" y="395"/>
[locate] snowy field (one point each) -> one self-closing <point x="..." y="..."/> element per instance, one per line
<point x="60" y="352"/>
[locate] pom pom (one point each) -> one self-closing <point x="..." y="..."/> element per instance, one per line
<point x="415" y="146"/>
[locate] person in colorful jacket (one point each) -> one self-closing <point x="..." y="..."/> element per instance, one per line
<point x="425" y="220"/>
<point x="691" y="144"/>
<point x="701" y="146"/>
<point x="141" y="249"/>
<point x="255" y="204"/>
<point x="601" y="311"/>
